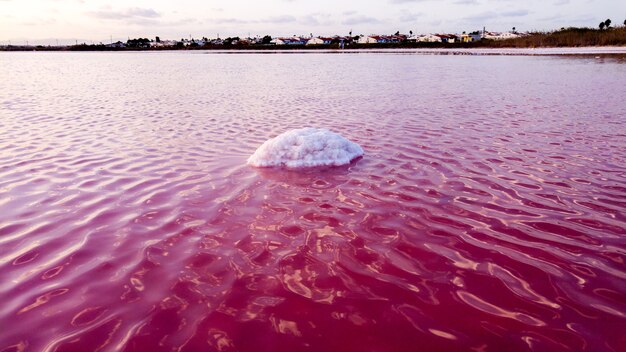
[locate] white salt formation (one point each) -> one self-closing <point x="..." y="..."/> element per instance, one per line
<point x="306" y="147"/>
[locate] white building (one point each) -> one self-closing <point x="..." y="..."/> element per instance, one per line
<point x="277" y="41"/>
<point x="500" y="36"/>
<point x="367" y="40"/>
<point x="289" y="41"/>
<point x="117" y="44"/>
<point x="319" y="41"/>
<point x="163" y="44"/>
<point x="425" y="38"/>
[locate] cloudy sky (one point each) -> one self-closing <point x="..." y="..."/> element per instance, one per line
<point x="46" y="21"/>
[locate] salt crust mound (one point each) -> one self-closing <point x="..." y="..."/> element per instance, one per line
<point x="306" y="147"/>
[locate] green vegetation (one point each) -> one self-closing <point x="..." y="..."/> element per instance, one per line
<point x="566" y="37"/>
<point x="139" y="43"/>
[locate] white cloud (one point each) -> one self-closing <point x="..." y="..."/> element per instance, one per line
<point x="405" y="1"/>
<point x="123" y="14"/>
<point x="515" y="13"/>
<point x="466" y="2"/>
<point x="279" y="19"/>
<point x="360" y="20"/>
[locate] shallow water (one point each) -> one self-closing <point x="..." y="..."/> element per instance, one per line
<point x="487" y="214"/>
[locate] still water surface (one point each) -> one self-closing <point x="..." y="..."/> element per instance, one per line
<point x="488" y="212"/>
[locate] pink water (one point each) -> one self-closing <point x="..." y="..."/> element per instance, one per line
<point x="488" y="213"/>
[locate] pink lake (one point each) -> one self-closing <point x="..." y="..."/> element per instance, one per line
<point x="487" y="214"/>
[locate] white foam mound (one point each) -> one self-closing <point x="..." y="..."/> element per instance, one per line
<point x="306" y="147"/>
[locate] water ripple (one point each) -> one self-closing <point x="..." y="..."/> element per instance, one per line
<point x="487" y="213"/>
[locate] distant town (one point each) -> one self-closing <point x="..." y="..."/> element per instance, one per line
<point x="310" y="40"/>
<point x="605" y="34"/>
<point x="341" y="41"/>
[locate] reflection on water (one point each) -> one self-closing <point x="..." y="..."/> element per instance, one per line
<point x="487" y="213"/>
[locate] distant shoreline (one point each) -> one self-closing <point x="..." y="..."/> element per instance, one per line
<point x="302" y="48"/>
<point x="564" y="38"/>
<point x="449" y="50"/>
